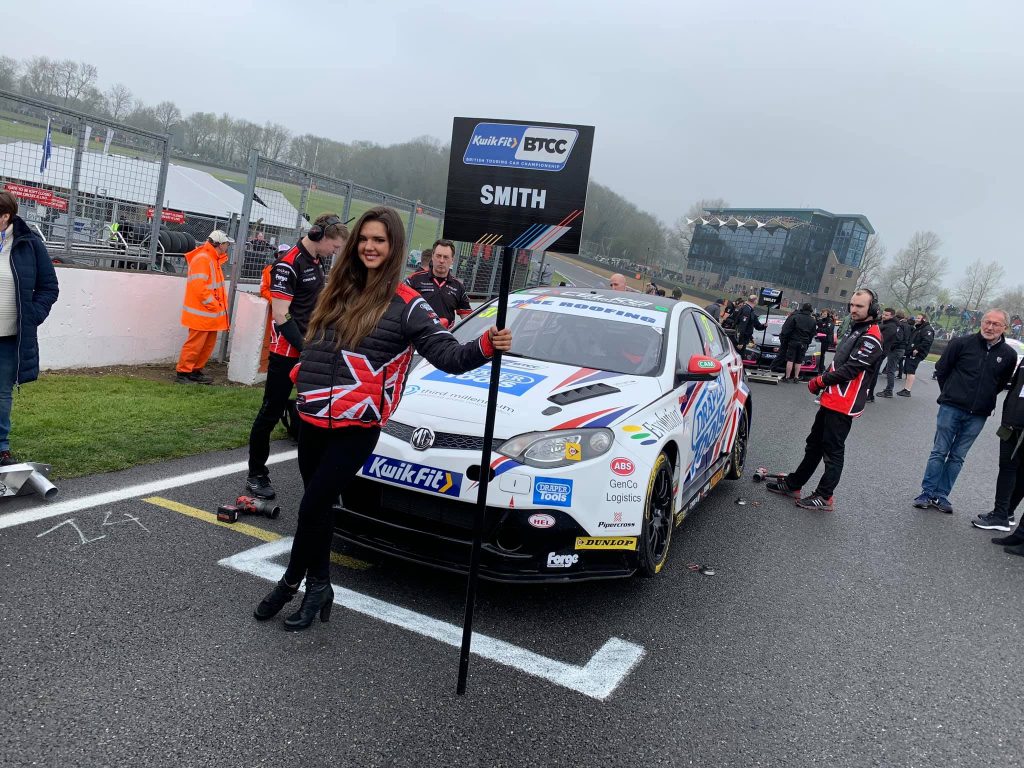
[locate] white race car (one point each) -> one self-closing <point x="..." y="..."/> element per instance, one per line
<point x="616" y="414"/>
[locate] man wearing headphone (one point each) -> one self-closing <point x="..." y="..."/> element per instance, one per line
<point x="296" y="280"/>
<point x="844" y="390"/>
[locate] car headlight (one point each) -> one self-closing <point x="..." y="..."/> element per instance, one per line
<point x="558" y="449"/>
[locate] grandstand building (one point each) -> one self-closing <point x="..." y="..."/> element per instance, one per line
<point x="811" y="254"/>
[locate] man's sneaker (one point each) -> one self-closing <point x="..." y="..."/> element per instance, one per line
<point x="989" y="522"/>
<point x="885" y="393"/>
<point x="903" y="393"/>
<point x="260" y="487"/>
<point x="7" y="458"/>
<point x="184" y="378"/>
<point x="815" y="501"/>
<point x="199" y="377"/>
<point x="943" y="505"/>
<point x="923" y="501"/>
<point x="780" y="486"/>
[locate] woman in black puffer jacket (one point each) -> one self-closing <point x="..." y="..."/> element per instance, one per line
<point x="349" y="379"/>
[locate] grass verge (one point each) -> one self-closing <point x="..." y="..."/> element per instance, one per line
<point x="88" y="424"/>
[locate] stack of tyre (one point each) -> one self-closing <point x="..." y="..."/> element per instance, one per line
<point x="176" y="243"/>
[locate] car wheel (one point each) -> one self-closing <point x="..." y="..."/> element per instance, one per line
<point x="657" y="526"/>
<point x="738" y="455"/>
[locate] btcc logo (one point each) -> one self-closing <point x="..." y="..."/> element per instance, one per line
<point x="535" y="147"/>
<point x="606" y="542"/>
<point x="537" y="143"/>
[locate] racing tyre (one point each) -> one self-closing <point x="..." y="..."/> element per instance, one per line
<point x="165" y="240"/>
<point x="190" y="242"/>
<point x="180" y="243"/>
<point x="738" y="455"/>
<point x="657" y="526"/>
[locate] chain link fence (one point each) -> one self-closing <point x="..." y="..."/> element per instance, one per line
<point x="106" y="195"/>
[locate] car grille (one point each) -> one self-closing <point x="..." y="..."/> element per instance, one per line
<point x="450" y="440"/>
<point x="399" y="505"/>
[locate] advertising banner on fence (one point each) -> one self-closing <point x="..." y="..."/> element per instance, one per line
<point x="518" y="184"/>
<point x="171" y="217"/>
<point x="41" y="196"/>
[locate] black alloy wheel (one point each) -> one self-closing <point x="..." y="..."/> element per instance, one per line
<point x="656" y="535"/>
<point x="738" y="455"/>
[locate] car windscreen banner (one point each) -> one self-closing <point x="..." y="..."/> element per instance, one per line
<point x="518" y="184"/>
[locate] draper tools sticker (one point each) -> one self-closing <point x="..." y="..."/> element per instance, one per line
<point x="552" y="491"/>
<point x="413" y="475"/>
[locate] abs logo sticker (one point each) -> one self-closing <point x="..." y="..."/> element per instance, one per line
<point x="623" y="467"/>
<point x="413" y="475"/>
<point x="535" y="147"/>
<point x="510" y="382"/>
<point x="552" y="492"/>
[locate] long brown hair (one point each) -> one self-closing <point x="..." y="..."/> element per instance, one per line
<point x="354" y="299"/>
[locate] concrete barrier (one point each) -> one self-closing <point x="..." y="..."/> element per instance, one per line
<point x="248" y="334"/>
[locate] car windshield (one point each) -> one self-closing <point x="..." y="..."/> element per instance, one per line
<point x="589" y="333"/>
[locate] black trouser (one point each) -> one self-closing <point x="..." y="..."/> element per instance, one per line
<point x="328" y="462"/>
<point x="892" y="365"/>
<point x="827" y="441"/>
<point x="276" y="391"/>
<point x="1010" y="481"/>
<point x="821" y="357"/>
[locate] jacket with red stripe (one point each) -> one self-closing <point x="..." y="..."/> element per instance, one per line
<point x="848" y="378"/>
<point x="362" y="387"/>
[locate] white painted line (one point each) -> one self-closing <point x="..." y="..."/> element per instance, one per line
<point x="598" y="678"/>
<point x="71" y="506"/>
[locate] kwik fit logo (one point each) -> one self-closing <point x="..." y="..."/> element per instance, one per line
<point x="533" y="147"/>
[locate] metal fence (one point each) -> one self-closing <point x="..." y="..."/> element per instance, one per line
<point x="98" y="197"/>
<point x="108" y="196"/>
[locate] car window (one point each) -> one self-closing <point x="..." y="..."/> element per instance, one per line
<point x="690" y="341"/>
<point x="713" y="346"/>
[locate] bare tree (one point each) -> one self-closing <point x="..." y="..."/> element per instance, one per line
<point x="9" y="69"/>
<point x="118" y="100"/>
<point x="680" y="234"/>
<point x="275" y="140"/>
<point x="978" y="284"/>
<point x="872" y="264"/>
<point x="72" y="79"/>
<point x="1012" y="301"/>
<point x="200" y="129"/>
<point x="167" y="114"/>
<point x="39" y="77"/>
<point x="916" y="270"/>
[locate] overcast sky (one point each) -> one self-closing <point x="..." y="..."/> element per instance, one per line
<point x="908" y="112"/>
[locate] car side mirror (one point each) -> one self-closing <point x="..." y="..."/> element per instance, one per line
<point x="700" y="368"/>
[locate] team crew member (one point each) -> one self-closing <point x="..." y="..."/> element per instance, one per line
<point x="843" y="393"/>
<point x="296" y="280"/>
<point x="746" y="322"/>
<point x="425" y="255"/>
<point x="920" y="345"/>
<point x="1010" y="481"/>
<point x="265" y="276"/>
<point x="349" y="378"/>
<point x="796" y="335"/>
<point x="205" y="309"/>
<point x="890" y="333"/>
<point x="617" y="282"/>
<point x="443" y="291"/>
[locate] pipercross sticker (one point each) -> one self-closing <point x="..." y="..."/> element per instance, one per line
<point x="413" y="475"/>
<point x="535" y="147"/>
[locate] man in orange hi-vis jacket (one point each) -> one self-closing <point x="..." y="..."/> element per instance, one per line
<point x="205" y="310"/>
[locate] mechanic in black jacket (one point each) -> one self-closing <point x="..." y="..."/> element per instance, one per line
<point x="908" y="334"/>
<point x="443" y="291"/>
<point x="890" y="332"/>
<point x="349" y="379"/>
<point x="843" y="390"/>
<point x="920" y="345"/>
<point x="897" y="354"/>
<point x="796" y="335"/>
<point x="1010" y="481"/>
<point x="971" y="372"/>
<point x="746" y="322"/>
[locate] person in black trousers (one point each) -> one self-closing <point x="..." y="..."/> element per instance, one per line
<point x="843" y="392"/>
<point x="1010" y="481"/>
<point x="825" y="333"/>
<point x="356" y="354"/>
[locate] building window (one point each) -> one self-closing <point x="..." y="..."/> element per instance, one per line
<point x="842" y="293"/>
<point x="826" y="289"/>
<point x="849" y="273"/>
<point x="832" y="271"/>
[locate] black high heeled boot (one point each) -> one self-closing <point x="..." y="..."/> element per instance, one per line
<point x="271" y="604"/>
<point x="319" y="597"/>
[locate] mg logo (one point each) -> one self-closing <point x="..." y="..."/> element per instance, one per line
<point x="422" y="438"/>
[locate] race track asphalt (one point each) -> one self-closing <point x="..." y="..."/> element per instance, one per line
<point x="875" y="635"/>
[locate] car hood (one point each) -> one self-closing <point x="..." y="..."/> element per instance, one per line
<point x="533" y="396"/>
